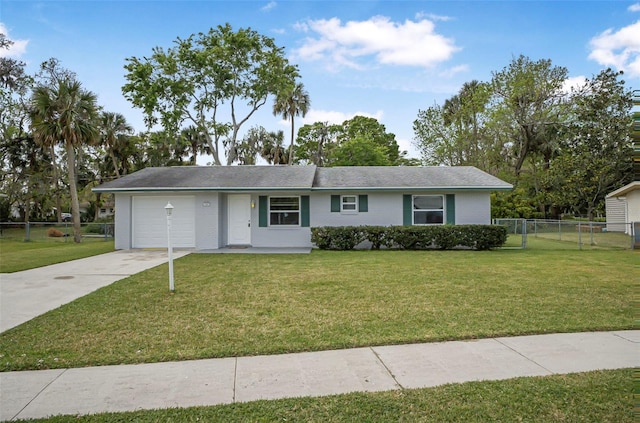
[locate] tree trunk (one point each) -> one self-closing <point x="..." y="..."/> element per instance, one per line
<point x="115" y="164"/>
<point x="73" y="187"/>
<point x="97" y="211"/>
<point x="291" y="145"/>
<point x="56" y="185"/>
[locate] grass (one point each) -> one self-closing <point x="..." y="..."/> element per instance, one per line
<point x="17" y="255"/>
<point x="602" y="396"/>
<point x="239" y="305"/>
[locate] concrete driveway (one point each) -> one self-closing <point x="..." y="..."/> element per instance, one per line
<point x="30" y="293"/>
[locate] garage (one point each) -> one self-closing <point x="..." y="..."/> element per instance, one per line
<point x="149" y="227"/>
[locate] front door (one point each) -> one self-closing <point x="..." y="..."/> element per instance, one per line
<point x="239" y="212"/>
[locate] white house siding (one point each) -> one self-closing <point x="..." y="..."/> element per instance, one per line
<point x="276" y="237"/>
<point x="473" y="208"/>
<point x="384" y="209"/>
<point x="616" y="210"/>
<point x="633" y="205"/>
<point x="206" y="218"/>
<point x="122" y="222"/>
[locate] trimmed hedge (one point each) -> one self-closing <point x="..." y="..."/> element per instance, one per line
<point x="447" y="237"/>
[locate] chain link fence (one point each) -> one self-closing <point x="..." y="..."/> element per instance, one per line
<point x="54" y="231"/>
<point x="571" y="233"/>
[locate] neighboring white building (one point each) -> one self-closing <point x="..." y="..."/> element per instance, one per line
<point x="623" y="207"/>
<point x="275" y="206"/>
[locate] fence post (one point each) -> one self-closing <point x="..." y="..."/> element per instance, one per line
<point x="559" y="230"/>
<point x="524" y="233"/>
<point x="579" y="235"/>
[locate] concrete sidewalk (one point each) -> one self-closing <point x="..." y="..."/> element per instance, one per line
<point x="30" y="293"/>
<point x="43" y="393"/>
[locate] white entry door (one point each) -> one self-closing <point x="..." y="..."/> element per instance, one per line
<point x="239" y="212"/>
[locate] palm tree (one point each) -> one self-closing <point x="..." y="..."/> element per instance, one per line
<point x="272" y="149"/>
<point x="196" y="140"/>
<point x="290" y="103"/>
<point x="65" y="113"/>
<point x="114" y="128"/>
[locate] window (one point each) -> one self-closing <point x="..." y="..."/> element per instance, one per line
<point x="284" y="211"/>
<point x="349" y="203"/>
<point x="428" y="209"/>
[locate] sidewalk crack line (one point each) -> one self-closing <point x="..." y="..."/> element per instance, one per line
<point x="387" y="368"/>
<point x="235" y="378"/>
<point x="38" y="394"/>
<point x="524" y="356"/>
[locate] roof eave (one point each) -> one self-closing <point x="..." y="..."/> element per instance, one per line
<point x="194" y="189"/>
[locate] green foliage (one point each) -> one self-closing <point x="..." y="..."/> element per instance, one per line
<point x="359" y="151"/>
<point x="337" y="237"/>
<point x="360" y="141"/>
<point x="446" y="237"/>
<point x="206" y="75"/>
<point x="596" y="156"/>
<point x="562" y="151"/>
<point x="291" y="102"/>
<point x="515" y="204"/>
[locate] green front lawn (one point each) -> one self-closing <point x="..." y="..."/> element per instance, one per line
<point x="17" y="255"/>
<point x="605" y="396"/>
<point x="238" y="305"/>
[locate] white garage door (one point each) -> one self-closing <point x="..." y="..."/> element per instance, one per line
<point x="150" y="222"/>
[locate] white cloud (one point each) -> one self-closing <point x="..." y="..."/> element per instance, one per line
<point x="353" y="43"/>
<point x="634" y="7"/>
<point x="433" y="17"/>
<point x="451" y="72"/>
<point x="619" y="49"/>
<point x="336" y="117"/>
<point x="267" y="7"/>
<point x="575" y="83"/>
<point x="17" y="49"/>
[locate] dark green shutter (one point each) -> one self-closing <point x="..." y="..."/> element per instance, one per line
<point x="363" y="203"/>
<point x="335" y="203"/>
<point x="451" y="209"/>
<point x="304" y="211"/>
<point x="407" y="210"/>
<point x="262" y="211"/>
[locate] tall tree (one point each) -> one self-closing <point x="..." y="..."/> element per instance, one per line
<point x="454" y="134"/>
<point x="596" y="154"/>
<point x="528" y="100"/>
<point x="315" y="142"/>
<point x="360" y="151"/>
<point x="206" y="75"/>
<point x="66" y="114"/>
<point x="114" y="129"/>
<point x="369" y="128"/>
<point x="289" y="103"/>
<point x="272" y="148"/>
<point x="196" y="141"/>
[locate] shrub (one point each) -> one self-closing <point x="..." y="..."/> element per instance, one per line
<point x="54" y="233"/>
<point x="337" y="237"/>
<point x="378" y="236"/>
<point x="480" y="237"/>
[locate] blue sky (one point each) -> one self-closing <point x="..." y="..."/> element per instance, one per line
<point x="384" y="59"/>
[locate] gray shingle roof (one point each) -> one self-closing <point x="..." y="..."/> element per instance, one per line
<point x="214" y="178"/>
<point x="407" y="177"/>
<point x="262" y="178"/>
